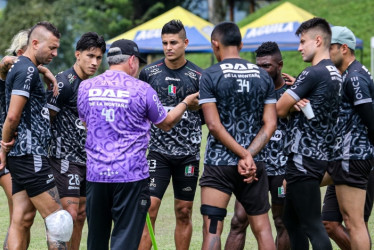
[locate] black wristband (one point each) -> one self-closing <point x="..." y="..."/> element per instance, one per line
<point x="185" y="104"/>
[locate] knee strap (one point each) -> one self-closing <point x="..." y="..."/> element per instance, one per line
<point x="215" y="214"/>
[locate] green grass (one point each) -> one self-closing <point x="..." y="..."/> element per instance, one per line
<point x="164" y="226"/>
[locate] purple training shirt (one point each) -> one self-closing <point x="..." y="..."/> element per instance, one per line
<point x="117" y="110"/>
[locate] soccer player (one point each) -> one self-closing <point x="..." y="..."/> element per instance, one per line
<point x="238" y="102"/>
<point x="33" y="185"/>
<point x="174" y="154"/>
<point x="354" y="139"/>
<point x="117" y="110"/>
<point x="268" y="57"/>
<point x="308" y="142"/>
<point x="17" y="47"/>
<point x="67" y="156"/>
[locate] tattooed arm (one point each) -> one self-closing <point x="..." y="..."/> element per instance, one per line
<point x="269" y="119"/>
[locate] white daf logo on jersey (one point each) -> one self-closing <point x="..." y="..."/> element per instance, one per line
<point x="239" y="68"/>
<point x="108" y="93"/>
<point x="79" y="124"/>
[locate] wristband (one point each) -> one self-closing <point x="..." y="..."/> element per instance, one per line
<point x="185" y="104"/>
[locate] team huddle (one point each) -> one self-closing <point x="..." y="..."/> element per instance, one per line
<point x="107" y="147"/>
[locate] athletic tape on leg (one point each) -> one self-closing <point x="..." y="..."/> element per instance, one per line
<point x="59" y="226"/>
<point x="215" y="214"/>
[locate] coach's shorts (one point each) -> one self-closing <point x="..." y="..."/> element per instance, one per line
<point x="4" y="171"/>
<point x="253" y="196"/>
<point x="70" y="177"/>
<point x="31" y="173"/>
<point x="354" y="173"/>
<point x="330" y="209"/>
<point x="184" y="171"/>
<point x="275" y="184"/>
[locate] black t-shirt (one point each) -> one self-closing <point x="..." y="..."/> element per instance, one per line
<point x="33" y="130"/>
<point x="68" y="132"/>
<point x="240" y="90"/>
<point x="314" y="138"/>
<point x="172" y="86"/>
<point x="274" y="156"/>
<point x="352" y="141"/>
<point x="2" y="106"/>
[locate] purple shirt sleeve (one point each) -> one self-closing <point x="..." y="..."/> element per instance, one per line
<point x="155" y="111"/>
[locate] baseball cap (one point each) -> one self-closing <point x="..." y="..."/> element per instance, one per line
<point x="125" y="47"/>
<point x="343" y="35"/>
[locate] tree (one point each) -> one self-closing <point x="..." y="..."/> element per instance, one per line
<point x="75" y="17"/>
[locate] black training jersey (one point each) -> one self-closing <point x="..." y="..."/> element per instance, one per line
<point x="172" y="86"/>
<point x="33" y="131"/>
<point x="2" y="106"/>
<point x="240" y="90"/>
<point x="68" y="132"/>
<point x="352" y="141"/>
<point x="275" y="158"/>
<point x="314" y="138"/>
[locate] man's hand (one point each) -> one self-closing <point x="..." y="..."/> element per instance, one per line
<point x="5" y="65"/>
<point x="300" y="104"/>
<point x="49" y="79"/>
<point x="247" y="168"/>
<point x="7" y="146"/>
<point x="192" y="101"/>
<point x="288" y="79"/>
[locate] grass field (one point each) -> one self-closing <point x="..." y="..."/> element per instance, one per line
<point x="164" y="225"/>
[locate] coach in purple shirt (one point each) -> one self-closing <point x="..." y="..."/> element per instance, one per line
<point x="117" y="110"/>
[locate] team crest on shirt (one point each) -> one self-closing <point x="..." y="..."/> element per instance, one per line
<point x="172" y="90"/>
<point x="71" y="78"/>
<point x="189" y="170"/>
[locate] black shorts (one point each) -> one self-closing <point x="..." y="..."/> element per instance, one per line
<point x="31" y="173"/>
<point x="184" y="171"/>
<point x="354" y="173"/>
<point x="275" y="187"/>
<point x="330" y="209"/>
<point x="116" y="212"/>
<point x="253" y="196"/>
<point x="302" y="168"/>
<point x="70" y="177"/>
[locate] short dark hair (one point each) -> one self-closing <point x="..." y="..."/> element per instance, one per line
<point x="174" y="27"/>
<point x="91" y="40"/>
<point x="47" y="25"/>
<point x="340" y="45"/>
<point x="316" y="23"/>
<point x="268" y="49"/>
<point x="227" y="33"/>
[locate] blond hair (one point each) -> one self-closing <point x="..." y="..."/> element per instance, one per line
<point x="19" y="41"/>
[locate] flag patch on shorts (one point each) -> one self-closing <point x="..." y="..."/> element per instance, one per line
<point x="189" y="170"/>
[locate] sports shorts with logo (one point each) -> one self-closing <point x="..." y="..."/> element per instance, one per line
<point x="253" y="196"/>
<point x="70" y="177"/>
<point x="184" y="171"/>
<point x="31" y="173"/>
<point x="276" y="189"/>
